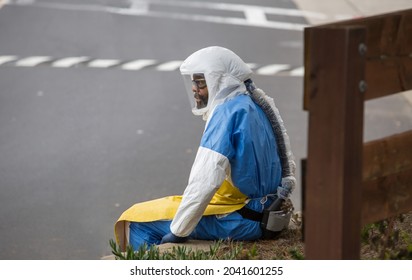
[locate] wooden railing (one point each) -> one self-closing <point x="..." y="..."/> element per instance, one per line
<point x="348" y="183"/>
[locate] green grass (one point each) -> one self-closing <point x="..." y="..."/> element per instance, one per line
<point x="388" y="239"/>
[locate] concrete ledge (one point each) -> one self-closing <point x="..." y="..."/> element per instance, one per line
<point x="204" y="245"/>
<point x="194" y="245"/>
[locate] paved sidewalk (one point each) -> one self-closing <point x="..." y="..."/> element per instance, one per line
<point x="344" y="9"/>
<point x="335" y="10"/>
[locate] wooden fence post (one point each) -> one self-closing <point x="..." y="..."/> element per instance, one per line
<point x="335" y="140"/>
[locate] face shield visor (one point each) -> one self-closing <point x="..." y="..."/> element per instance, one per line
<point x="196" y="88"/>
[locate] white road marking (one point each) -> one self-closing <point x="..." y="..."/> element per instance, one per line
<point x="138" y="64"/>
<point x="252" y="65"/>
<point x="135" y="65"/>
<point x="139" y="5"/>
<point x="253" y="15"/>
<point x="142" y="8"/>
<point x="272" y="69"/>
<point x="216" y="19"/>
<point x="33" y="61"/>
<point x="103" y="63"/>
<point x="299" y="72"/>
<point x="7" y="58"/>
<point x="69" y="61"/>
<point x="235" y="7"/>
<point x="169" y="66"/>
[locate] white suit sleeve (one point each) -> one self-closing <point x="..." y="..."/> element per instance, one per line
<point x="207" y="174"/>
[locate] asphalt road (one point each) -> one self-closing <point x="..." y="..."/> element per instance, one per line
<point x="94" y="116"/>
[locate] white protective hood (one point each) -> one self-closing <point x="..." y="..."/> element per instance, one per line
<point x="224" y="73"/>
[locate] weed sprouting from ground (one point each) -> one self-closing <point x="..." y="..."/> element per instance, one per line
<point x="285" y="247"/>
<point x="230" y="251"/>
<point x="388" y="239"/>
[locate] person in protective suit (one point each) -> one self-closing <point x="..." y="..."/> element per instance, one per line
<point x="242" y="165"/>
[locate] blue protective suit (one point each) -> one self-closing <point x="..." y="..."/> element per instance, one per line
<point x="238" y="145"/>
<point x="239" y="131"/>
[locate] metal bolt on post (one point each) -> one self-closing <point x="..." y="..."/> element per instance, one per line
<point x="363" y="86"/>
<point x="362" y="49"/>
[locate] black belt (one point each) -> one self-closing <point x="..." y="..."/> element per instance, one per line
<point x="250" y="214"/>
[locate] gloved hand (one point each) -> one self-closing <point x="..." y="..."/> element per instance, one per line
<point x="286" y="188"/>
<point x="171" y="238"/>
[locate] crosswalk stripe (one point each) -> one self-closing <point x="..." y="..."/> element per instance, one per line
<point x="32" y="61"/>
<point x="103" y="63"/>
<point x="272" y="69"/>
<point x="252" y="65"/>
<point x="169" y="66"/>
<point x="255" y="15"/>
<point x="7" y="58"/>
<point x="138" y="64"/>
<point x="135" y="65"/>
<point x="297" y="72"/>
<point x="69" y="61"/>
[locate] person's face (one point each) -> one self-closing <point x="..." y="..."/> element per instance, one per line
<point x="199" y="88"/>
